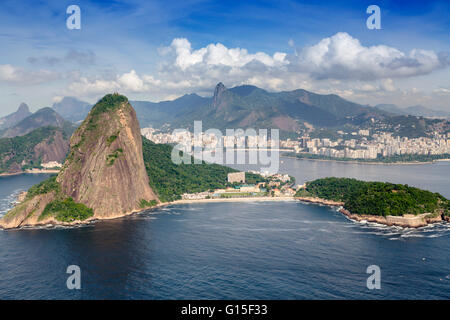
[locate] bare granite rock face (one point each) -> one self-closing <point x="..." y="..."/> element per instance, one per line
<point x="28" y="212"/>
<point x="105" y="168"/>
<point x="104" y="171"/>
<point x="53" y="149"/>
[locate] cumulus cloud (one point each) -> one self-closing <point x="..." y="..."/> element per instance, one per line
<point x="132" y="82"/>
<point x="92" y="87"/>
<point x="219" y="55"/>
<point x="340" y="61"/>
<point x="343" y="57"/>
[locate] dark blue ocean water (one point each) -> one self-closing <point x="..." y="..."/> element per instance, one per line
<point x="257" y="250"/>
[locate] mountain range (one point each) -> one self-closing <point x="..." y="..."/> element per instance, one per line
<point x="418" y="110"/>
<point x="292" y="112"/>
<point x="248" y="106"/>
<point x="42" y="118"/>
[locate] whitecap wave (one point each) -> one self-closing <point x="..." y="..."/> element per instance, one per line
<point x="9" y="201"/>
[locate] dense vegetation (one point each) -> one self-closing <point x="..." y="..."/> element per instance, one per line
<point x="171" y="180"/>
<point x="253" y="178"/>
<point x="93" y="129"/>
<point x="145" y="204"/>
<point x="377" y="198"/>
<point x="67" y="210"/>
<point x="62" y="208"/>
<point x="18" y="153"/>
<point x="45" y="186"/>
<point x="108" y="103"/>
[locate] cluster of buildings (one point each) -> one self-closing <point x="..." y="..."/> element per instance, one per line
<point x="208" y="140"/>
<point x="370" y="147"/>
<point x="51" y="165"/>
<point x="362" y="146"/>
<point x="277" y="186"/>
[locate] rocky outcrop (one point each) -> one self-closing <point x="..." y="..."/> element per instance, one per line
<point x="104" y="171"/>
<point x="105" y="168"/>
<point x="28" y="212"/>
<point x="218" y="97"/>
<point x="320" y="201"/>
<point x="405" y="221"/>
<point x="15" y="117"/>
<point x="54" y="148"/>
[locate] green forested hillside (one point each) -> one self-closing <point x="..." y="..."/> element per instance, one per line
<point x="377" y="198"/>
<point x="18" y="153"/>
<point x="170" y="180"/>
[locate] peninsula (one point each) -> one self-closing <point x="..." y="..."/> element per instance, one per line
<point x="381" y="202"/>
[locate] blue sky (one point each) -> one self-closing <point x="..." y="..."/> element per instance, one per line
<point x="155" y="50"/>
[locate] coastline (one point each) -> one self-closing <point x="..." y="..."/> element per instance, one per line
<point x="248" y="199"/>
<point x="406" y="221"/>
<point x="32" y="171"/>
<point x="52" y="222"/>
<point x="369" y="162"/>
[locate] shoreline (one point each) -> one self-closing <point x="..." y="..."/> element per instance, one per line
<point x="32" y="171"/>
<point x="247" y="199"/>
<point x="52" y="222"/>
<point x="370" y="162"/>
<point x="407" y="221"/>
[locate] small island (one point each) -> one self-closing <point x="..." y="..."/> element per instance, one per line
<point x="381" y="202"/>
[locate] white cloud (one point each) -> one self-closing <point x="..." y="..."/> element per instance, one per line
<point x="339" y="64"/>
<point x="343" y="57"/>
<point x="86" y="87"/>
<point x="442" y="91"/>
<point x="132" y="82"/>
<point x="57" y="99"/>
<point x="218" y="54"/>
<point x="387" y="85"/>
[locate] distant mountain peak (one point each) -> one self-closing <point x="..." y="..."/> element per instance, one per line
<point x="12" y="119"/>
<point x="23" y="108"/>
<point x="220" y="88"/>
<point x="247" y="89"/>
<point x="72" y="109"/>
<point x="43" y="117"/>
<point x="218" y="93"/>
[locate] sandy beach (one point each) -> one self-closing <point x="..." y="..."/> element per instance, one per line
<point x="248" y="199"/>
